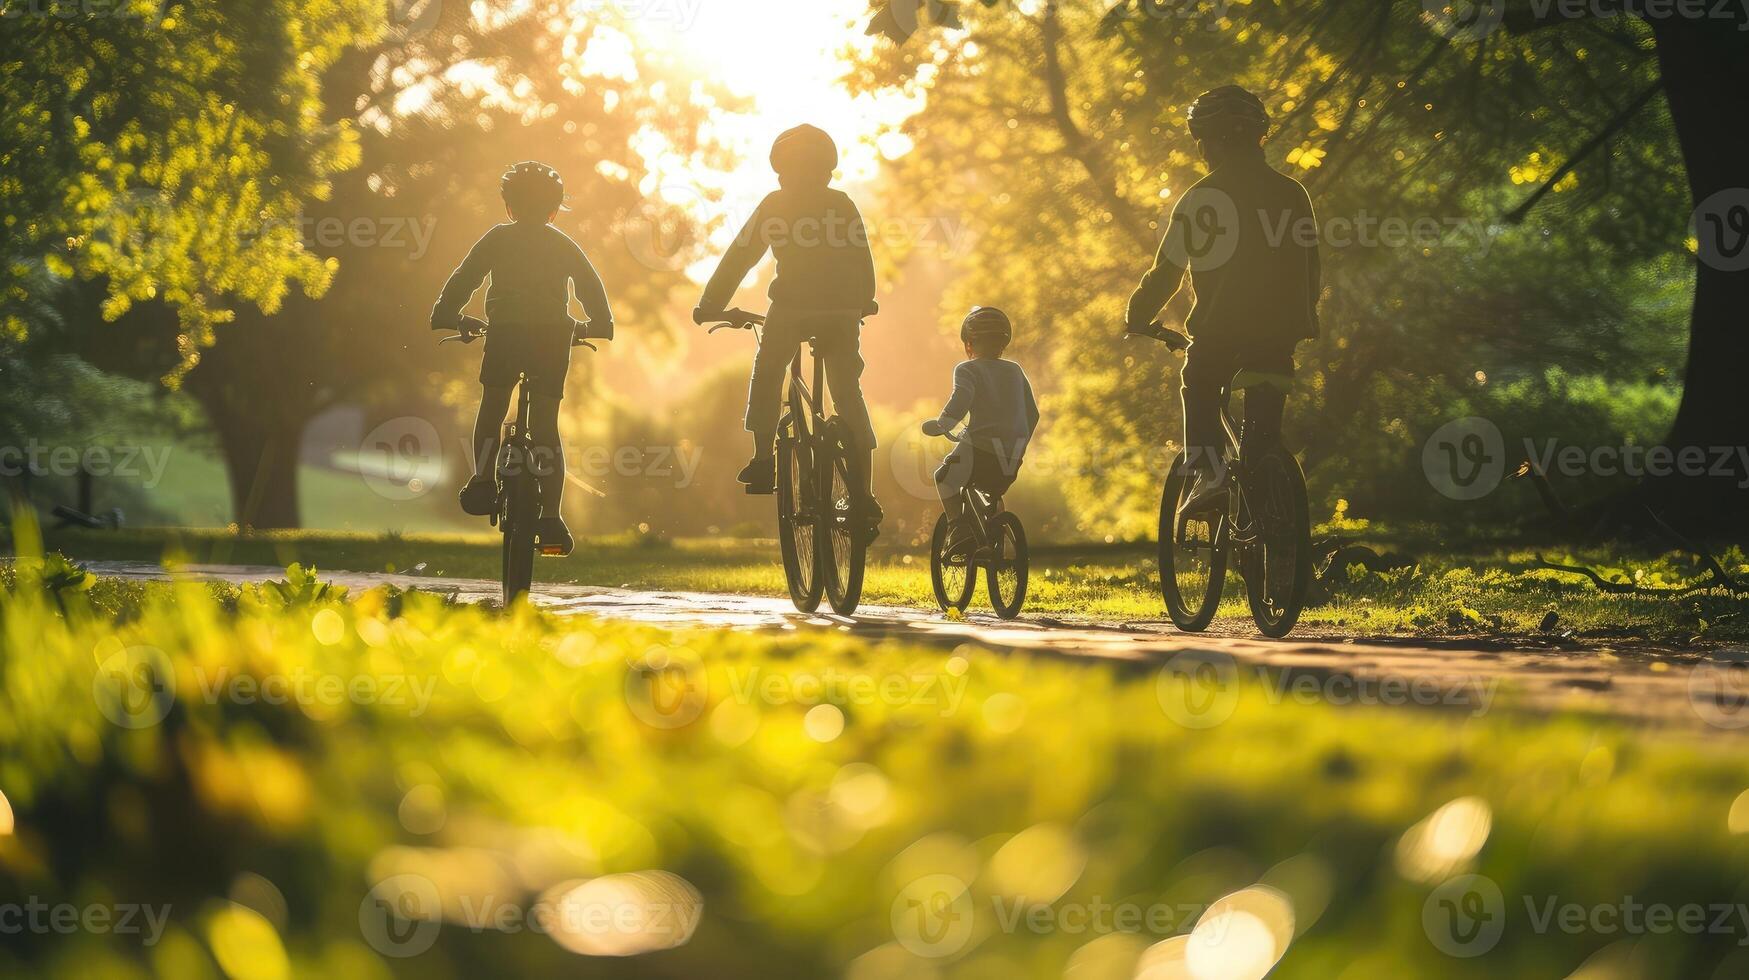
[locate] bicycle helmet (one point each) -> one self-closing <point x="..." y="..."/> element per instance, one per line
<point x="803" y="150"/>
<point x="532" y="189"/>
<point x="986" y="323"/>
<point x="1228" y="113"/>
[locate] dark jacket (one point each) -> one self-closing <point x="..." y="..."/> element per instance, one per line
<point x="823" y="257"/>
<point x="534" y="267"/>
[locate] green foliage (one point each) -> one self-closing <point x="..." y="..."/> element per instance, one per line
<point x="300" y="589"/>
<point x="525" y="755"/>
<point x="148" y="145"/>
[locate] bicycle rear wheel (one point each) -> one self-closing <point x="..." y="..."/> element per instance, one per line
<point x="798" y="524"/>
<point x="1278" y="566"/>
<point x="1006" y="575"/>
<point x="517" y="522"/>
<point x="954" y="577"/>
<point x="847" y="548"/>
<point x="1193" y="558"/>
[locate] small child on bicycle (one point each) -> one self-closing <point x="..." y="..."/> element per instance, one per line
<point x="824" y="287"/>
<point x="534" y="267"/>
<point x="997" y="396"/>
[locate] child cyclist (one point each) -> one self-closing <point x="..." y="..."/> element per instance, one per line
<point x="823" y="288"/>
<point x="533" y="267"/>
<point x="996" y="394"/>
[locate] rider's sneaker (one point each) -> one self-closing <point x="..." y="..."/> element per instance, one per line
<point x="961" y="538"/>
<point x="480" y="496"/>
<point x="553" y="536"/>
<point x="871" y="516"/>
<point x="760" y="474"/>
<point x="1208" y="491"/>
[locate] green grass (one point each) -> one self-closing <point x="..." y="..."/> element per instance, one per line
<point x="1494" y="593"/>
<point x="821" y="805"/>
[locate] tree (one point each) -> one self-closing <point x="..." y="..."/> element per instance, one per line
<point x="440" y="113"/>
<point x="1064" y="126"/>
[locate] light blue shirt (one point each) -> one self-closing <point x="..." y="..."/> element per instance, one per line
<point x="997" y="396"/>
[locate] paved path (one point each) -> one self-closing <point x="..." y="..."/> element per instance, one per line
<point x="1704" y="690"/>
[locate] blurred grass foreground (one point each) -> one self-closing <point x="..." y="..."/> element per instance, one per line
<point x="284" y="780"/>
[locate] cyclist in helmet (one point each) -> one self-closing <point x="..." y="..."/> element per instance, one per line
<point x="533" y="267"/>
<point x="823" y="288"/>
<point x="995" y="393"/>
<point x="1245" y="233"/>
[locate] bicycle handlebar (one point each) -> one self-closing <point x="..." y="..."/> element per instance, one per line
<point x="472" y="328"/>
<point x="1174" y="341"/>
<point x="732" y="319"/>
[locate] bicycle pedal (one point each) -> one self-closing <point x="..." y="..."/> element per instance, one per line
<point x="553" y="551"/>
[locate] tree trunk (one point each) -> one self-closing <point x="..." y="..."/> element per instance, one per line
<point x="261" y="465"/>
<point x="1703" y="62"/>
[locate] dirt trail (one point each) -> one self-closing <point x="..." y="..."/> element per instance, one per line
<point x="1703" y="690"/>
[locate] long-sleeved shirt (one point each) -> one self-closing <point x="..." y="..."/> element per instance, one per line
<point x="534" y="267"/>
<point x="823" y="256"/>
<point x="1248" y="238"/>
<point x="999" y="399"/>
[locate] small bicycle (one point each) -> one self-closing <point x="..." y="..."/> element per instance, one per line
<point x="1264" y="520"/>
<point x="998" y="547"/>
<point x="519" y="506"/>
<point x="824" y="548"/>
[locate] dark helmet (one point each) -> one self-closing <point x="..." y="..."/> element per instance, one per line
<point x="531" y="188"/>
<point x="803" y="150"/>
<point x="1228" y="113"/>
<point x="984" y="323"/>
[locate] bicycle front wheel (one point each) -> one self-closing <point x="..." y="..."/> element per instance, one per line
<point x="1278" y="565"/>
<point x="1193" y="557"/>
<point x="518" y="519"/>
<point x="954" y="576"/>
<point x="847" y="547"/>
<point x="798" y="524"/>
<point x="1006" y="576"/>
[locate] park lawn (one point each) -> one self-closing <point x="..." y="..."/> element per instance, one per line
<point x="803" y="805"/>
<point x="1491" y="593"/>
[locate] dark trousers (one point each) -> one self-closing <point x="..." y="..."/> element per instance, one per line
<point x="1208" y="370"/>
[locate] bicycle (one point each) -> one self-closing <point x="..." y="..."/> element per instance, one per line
<point x="518" y="511"/>
<point x="998" y="547"/>
<point x="820" y="536"/>
<point x="1265" y="522"/>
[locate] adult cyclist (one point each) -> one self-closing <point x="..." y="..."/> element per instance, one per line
<point x="1246" y="235"/>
